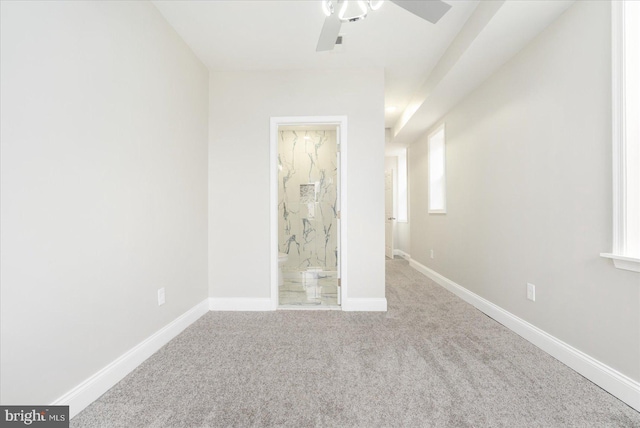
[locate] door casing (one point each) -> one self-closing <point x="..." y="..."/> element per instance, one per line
<point x="341" y="123"/>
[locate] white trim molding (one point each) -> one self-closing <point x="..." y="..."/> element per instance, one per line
<point x="609" y="379"/>
<point x="240" y="304"/>
<point x="625" y="247"/>
<point x="91" y="389"/>
<point x="617" y="122"/>
<point x="622" y="262"/>
<point x="365" y="305"/>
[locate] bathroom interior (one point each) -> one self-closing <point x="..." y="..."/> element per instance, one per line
<point x="308" y="221"/>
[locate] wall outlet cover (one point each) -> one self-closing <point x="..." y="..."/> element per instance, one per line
<point x="531" y="292"/>
<point x="161" y="296"/>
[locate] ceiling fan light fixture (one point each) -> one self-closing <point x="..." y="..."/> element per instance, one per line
<point x="343" y="9"/>
<point x="375" y="5"/>
<point x="345" y="5"/>
<point x="431" y="11"/>
<point x="327" y="7"/>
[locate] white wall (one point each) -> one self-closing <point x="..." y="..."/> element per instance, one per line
<point x="529" y="193"/>
<point x="403" y="237"/>
<point x="104" y="188"/>
<point x="241" y="105"/>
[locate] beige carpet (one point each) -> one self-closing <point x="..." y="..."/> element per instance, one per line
<point x="431" y="361"/>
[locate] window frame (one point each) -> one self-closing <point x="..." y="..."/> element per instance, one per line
<point x="443" y="210"/>
<point x="403" y="188"/>
<point x="619" y="254"/>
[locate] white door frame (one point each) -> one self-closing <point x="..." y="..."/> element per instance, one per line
<point x="341" y="122"/>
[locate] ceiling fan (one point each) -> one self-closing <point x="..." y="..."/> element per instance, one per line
<point x="430" y="10"/>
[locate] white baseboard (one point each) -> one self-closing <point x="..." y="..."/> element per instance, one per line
<point x="240" y="304"/>
<point x="92" y="388"/>
<point x="402" y="254"/>
<point x="364" y="305"/>
<point x="609" y="379"/>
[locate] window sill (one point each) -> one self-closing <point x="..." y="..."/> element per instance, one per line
<point x="622" y="262"/>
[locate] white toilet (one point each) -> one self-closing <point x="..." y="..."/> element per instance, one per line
<point x="282" y="258"/>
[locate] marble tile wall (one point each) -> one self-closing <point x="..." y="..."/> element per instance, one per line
<point x="307" y="204"/>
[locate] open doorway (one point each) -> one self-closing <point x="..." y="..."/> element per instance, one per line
<point x="308" y="212"/>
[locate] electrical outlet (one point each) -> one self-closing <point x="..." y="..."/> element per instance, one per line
<point x="161" y="296"/>
<point x="431" y="253"/>
<point x="531" y="292"/>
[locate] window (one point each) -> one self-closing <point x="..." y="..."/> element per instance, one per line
<point x="626" y="134"/>
<point x="402" y="187"/>
<point x="437" y="175"/>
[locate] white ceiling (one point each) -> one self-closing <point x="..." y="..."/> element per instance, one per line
<point x="428" y="68"/>
<point x="494" y="33"/>
<point x="279" y="35"/>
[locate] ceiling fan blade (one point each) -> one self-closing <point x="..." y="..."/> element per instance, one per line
<point x="431" y="10"/>
<point x="329" y="33"/>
